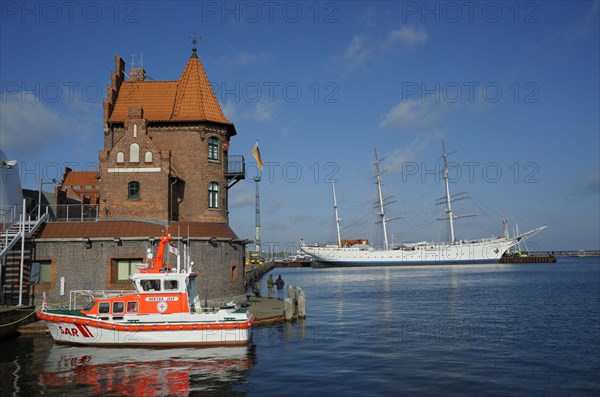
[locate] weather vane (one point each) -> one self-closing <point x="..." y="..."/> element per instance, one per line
<point x="195" y="38"/>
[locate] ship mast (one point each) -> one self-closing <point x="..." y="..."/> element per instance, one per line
<point x="337" y="218"/>
<point x="381" y="206"/>
<point x="448" y="200"/>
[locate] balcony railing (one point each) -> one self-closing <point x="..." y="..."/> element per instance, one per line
<point x="235" y="166"/>
<point x="236" y="169"/>
<point x="75" y="213"/>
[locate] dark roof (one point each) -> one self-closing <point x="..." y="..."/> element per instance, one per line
<point x="134" y="229"/>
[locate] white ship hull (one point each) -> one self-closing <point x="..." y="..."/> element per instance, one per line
<point x="481" y="251"/>
<point x="92" y="332"/>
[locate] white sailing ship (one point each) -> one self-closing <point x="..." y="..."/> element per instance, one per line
<point x="454" y="251"/>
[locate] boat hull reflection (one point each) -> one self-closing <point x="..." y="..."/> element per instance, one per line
<point x="147" y="372"/>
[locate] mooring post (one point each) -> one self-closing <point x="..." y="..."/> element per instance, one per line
<point x="301" y="305"/>
<point x="288" y="309"/>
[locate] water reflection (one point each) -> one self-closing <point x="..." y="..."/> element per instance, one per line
<point x="147" y="372"/>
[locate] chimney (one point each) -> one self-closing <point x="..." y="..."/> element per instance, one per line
<point x="137" y="74"/>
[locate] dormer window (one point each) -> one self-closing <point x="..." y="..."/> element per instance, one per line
<point x="213" y="149"/>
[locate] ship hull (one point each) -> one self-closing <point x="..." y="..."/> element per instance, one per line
<point x="77" y="330"/>
<point x="488" y="251"/>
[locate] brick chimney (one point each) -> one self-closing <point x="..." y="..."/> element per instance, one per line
<point x="137" y="74"/>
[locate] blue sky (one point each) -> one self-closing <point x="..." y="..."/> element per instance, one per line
<point x="512" y="87"/>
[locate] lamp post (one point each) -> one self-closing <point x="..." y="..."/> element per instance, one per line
<point x="257" y="220"/>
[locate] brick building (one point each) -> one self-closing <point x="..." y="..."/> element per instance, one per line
<point x="165" y="162"/>
<point x="166" y="147"/>
<point x="78" y="187"/>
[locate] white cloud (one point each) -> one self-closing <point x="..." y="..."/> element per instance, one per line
<point x="246" y="59"/>
<point x="408" y="114"/>
<point x="587" y="25"/>
<point x="263" y="111"/>
<point x="357" y="52"/>
<point x="411" y="154"/>
<point x="27" y="126"/>
<point x="229" y="111"/>
<point x="365" y="47"/>
<point x="407" y="35"/>
<point x="590" y="186"/>
<point x="241" y="198"/>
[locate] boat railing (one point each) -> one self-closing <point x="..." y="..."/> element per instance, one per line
<point x="79" y="298"/>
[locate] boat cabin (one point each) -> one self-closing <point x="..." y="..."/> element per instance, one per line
<point x="155" y="293"/>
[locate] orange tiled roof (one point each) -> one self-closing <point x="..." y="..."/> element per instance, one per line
<point x="156" y="97"/>
<point x="133" y="229"/>
<point x="195" y="98"/>
<point x="191" y="98"/>
<point x="80" y="178"/>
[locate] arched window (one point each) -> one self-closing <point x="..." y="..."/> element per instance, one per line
<point x="120" y="157"/>
<point x="133" y="190"/>
<point x="134" y="153"/>
<point x="213" y="149"/>
<point x="148" y="157"/>
<point x="213" y="195"/>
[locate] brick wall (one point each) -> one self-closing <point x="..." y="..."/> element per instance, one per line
<point x="219" y="267"/>
<point x="180" y="151"/>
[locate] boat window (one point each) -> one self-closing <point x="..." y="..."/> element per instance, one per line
<point x="89" y="306"/>
<point x="132" y="307"/>
<point x="150" y="285"/>
<point x="104" y="307"/>
<point x="118" y="307"/>
<point x="171" y="285"/>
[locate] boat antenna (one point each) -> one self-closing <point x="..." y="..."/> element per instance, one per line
<point x="337" y="218"/>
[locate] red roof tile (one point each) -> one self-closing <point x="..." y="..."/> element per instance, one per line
<point x="156" y="97"/>
<point x="80" y="178"/>
<point x="191" y="98"/>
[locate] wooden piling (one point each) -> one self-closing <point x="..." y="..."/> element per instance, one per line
<point x="301" y="305"/>
<point x="288" y="309"/>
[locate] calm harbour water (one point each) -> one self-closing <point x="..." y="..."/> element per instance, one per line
<point x="531" y="329"/>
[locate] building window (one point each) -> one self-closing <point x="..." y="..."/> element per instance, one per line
<point x="213" y="195"/>
<point x="133" y="191"/>
<point x="148" y="157"/>
<point x="120" y="157"/>
<point x="45" y="271"/>
<point x="213" y="149"/>
<point x="134" y="153"/>
<point x="123" y="268"/>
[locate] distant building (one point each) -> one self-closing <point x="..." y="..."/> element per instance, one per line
<point x="78" y="187"/>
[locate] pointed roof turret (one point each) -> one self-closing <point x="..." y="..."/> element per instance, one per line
<point x="195" y="99"/>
